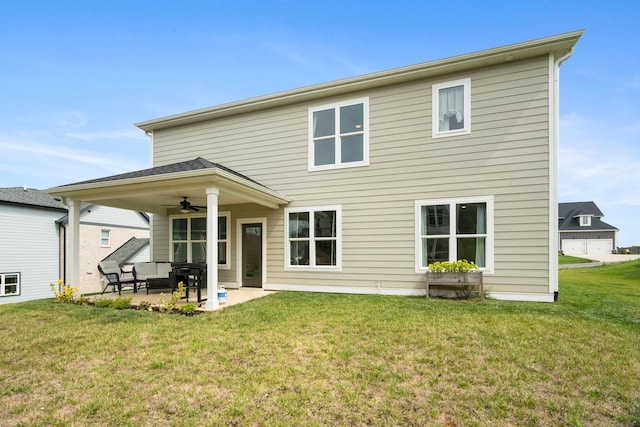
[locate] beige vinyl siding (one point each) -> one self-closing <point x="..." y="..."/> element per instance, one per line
<point x="505" y="155"/>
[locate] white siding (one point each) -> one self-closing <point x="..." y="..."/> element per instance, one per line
<point x="29" y="245"/>
<point x="506" y="155"/>
<point x="108" y="216"/>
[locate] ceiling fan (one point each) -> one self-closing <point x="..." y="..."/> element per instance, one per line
<point x="186" y="206"/>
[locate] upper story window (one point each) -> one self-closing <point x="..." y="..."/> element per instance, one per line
<point x="105" y="238"/>
<point x="339" y="135"/>
<point x="314" y="238"/>
<point x="9" y="284"/>
<point x="451" y="108"/>
<point x="585" y="220"/>
<point x="453" y="229"/>
<point x="189" y="239"/>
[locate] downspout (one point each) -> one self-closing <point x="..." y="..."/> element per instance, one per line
<point x="553" y="190"/>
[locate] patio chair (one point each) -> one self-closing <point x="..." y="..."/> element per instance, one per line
<point x="116" y="276"/>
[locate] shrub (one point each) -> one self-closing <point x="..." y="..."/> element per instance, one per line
<point x="188" y="309"/>
<point x="121" y="303"/>
<point x="64" y="293"/>
<point x="103" y="303"/>
<point x="169" y="304"/>
<point x="460" y="266"/>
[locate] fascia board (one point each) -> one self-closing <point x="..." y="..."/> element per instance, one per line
<point x="558" y="45"/>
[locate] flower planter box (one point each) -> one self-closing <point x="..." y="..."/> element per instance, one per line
<point x="459" y="280"/>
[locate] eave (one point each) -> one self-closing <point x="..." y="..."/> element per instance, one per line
<point x="557" y="46"/>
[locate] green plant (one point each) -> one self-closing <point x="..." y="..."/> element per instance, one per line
<point x="168" y="304"/>
<point x="103" y="303"/>
<point x="64" y="293"/>
<point x="121" y="303"/>
<point x="460" y="266"/>
<point x="188" y="309"/>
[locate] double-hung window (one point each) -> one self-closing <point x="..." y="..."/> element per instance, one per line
<point x="313" y="238"/>
<point x="339" y="135"/>
<point x="189" y="239"/>
<point x="105" y="238"/>
<point x="9" y="284"/>
<point x="453" y="229"/>
<point x="451" y="108"/>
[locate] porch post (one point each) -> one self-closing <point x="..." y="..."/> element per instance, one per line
<point x="73" y="256"/>
<point x="212" y="248"/>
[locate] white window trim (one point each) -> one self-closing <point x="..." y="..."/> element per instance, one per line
<point x="3" y="284"/>
<point x="435" y="108"/>
<point x="586" y="223"/>
<point x="489" y="249"/>
<point x="108" y="244"/>
<point x="365" y="137"/>
<point x="226" y="214"/>
<point x="287" y="248"/>
<point x="227" y="257"/>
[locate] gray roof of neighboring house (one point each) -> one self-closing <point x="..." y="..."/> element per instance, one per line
<point x="127" y="250"/>
<point x="30" y="197"/>
<point x="189" y="165"/>
<point x="569" y="213"/>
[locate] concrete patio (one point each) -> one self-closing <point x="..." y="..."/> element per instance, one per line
<point x="234" y="296"/>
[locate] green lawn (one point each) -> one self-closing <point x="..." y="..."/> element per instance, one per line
<point x="568" y="259"/>
<point x="320" y="359"/>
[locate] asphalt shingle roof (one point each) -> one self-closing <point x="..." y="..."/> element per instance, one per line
<point x="568" y="214"/>
<point x="190" y="165"/>
<point x="127" y="250"/>
<point x="30" y="197"/>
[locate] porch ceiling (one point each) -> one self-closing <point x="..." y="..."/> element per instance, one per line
<point x="160" y="190"/>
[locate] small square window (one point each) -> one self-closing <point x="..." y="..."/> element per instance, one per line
<point x="451" y="108"/>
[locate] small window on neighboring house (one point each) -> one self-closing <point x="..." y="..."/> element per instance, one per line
<point x="585" y="220"/>
<point x="339" y="135"/>
<point x="9" y="284"/>
<point x="451" y="108"/>
<point x="105" y="238"/>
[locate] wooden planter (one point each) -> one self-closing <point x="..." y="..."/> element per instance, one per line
<point x="457" y="280"/>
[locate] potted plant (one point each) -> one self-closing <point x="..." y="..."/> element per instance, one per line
<point x="462" y="274"/>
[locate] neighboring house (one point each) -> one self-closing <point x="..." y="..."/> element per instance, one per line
<point x="582" y="231"/>
<point x="33" y="230"/>
<point x="357" y="185"/>
<point x="29" y="244"/>
<point x="104" y="229"/>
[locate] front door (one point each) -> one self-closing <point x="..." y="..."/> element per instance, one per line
<point x="252" y="255"/>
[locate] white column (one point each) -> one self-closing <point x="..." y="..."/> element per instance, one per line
<point x="73" y="250"/>
<point x="212" y="248"/>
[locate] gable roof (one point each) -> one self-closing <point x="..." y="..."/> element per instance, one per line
<point x="569" y="217"/>
<point x="127" y="250"/>
<point x="30" y="197"/>
<point x="558" y="45"/>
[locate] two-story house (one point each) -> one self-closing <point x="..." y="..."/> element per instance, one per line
<point x="357" y="185"/>
<point x="582" y="230"/>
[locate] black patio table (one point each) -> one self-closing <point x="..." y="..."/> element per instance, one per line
<point x="192" y="275"/>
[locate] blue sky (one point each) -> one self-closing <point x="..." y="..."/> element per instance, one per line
<point x="76" y="75"/>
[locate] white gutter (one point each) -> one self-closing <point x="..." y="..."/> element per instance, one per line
<point x="554" y="150"/>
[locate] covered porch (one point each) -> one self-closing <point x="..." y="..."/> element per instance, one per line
<point x="163" y="191"/>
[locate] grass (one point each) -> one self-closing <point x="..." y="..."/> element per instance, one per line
<point x="322" y="359"/>
<point x="568" y="259"/>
